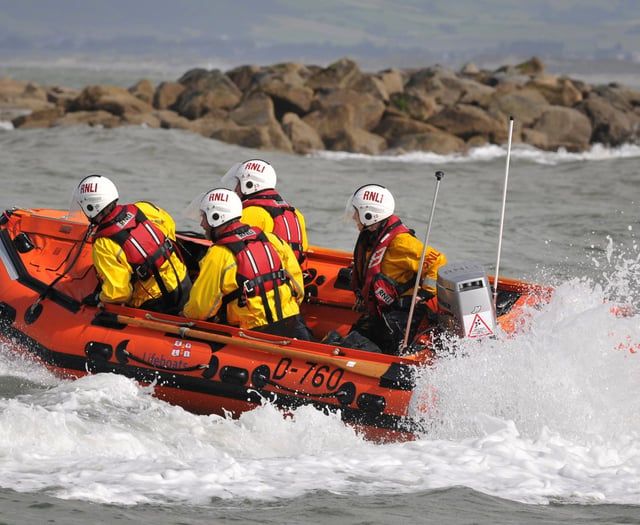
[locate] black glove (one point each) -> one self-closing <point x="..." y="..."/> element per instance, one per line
<point x="93" y="299"/>
<point x="424" y="295"/>
<point x="423" y="305"/>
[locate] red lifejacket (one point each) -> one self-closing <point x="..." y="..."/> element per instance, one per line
<point x="143" y="243"/>
<point x="285" y="220"/>
<point x="369" y="283"/>
<point x="259" y="267"/>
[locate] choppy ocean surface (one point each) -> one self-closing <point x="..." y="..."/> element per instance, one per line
<point x="541" y="428"/>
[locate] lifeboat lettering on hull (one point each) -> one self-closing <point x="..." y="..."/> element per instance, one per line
<point x="176" y="354"/>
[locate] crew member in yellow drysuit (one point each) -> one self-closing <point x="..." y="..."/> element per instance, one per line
<point x="248" y="278"/>
<point x="386" y="259"/>
<point x="134" y="250"/>
<point x="254" y="181"/>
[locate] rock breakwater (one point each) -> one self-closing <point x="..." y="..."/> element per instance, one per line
<point x="299" y="108"/>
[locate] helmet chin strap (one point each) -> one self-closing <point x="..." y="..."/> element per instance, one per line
<point x="216" y="231"/>
<point x="376" y="225"/>
<point x="211" y="234"/>
<point x="90" y="230"/>
<point x="95" y="221"/>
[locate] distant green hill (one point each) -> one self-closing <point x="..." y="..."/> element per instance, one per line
<point x="269" y="30"/>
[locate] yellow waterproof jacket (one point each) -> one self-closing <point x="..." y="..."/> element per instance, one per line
<point x="401" y="260"/>
<point x="260" y="218"/>
<point x="115" y="272"/>
<point x="217" y="279"/>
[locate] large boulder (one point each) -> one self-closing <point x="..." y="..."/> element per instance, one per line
<point x="330" y="122"/>
<point x="465" y="121"/>
<point x="18" y="97"/>
<point x="257" y="110"/>
<point x="619" y="97"/>
<point x="359" y="141"/>
<point x="167" y="95"/>
<point x="372" y="85"/>
<point x="242" y="76"/>
<point x="564" y="128"/>
<point x="415" y="103"/>
<point x="206" y="91"/>
<point x="558" y="91"/>
<point x="611" y="126"/>
<point x="211" y="123"/>
<point x="367" y="110"/>
<point x="62" y="96"/>
<point x="269" y="138"/>
<point x="253" y="124"/>
<point x="149" y="120"/>
<point x="392" y="126"/>
<point x="436" y="141"/>
<point x="143" y="90"/>
<point x="393" y="81"/>
<point x="533" y="66"/>
<point x="508" y="79"/>
<point x="285" y="84"/>
<point x="43" y="118"/>
<point x="535" y="138"/>
<point x="170" y="119"/>
<point x="343" y="73"/>
<point x="304" y="139"/>
<point x="99" y="117"/>
<point x="447" y="88"/>
<point x="113" y="99"/>
<point x="526" y="105"/>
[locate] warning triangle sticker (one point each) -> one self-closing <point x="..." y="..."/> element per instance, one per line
<point x="479" y="328"/>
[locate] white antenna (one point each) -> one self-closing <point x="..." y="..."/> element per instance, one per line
<point x="504" y="202"/>
<point x="439" y="175"/>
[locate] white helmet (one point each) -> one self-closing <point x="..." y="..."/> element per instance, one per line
<point x="253" y="175"/>
<point x="220" y="206"/>
<point x="374" y="203"/>
<point x="94" y="194"/>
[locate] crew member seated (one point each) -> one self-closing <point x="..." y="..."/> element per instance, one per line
<point x="386" y="259"/>
<point x="134" y="250"/>
<point x="248" y="278"/>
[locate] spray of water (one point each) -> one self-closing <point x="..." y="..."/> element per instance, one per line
<point x="574" y="368"/>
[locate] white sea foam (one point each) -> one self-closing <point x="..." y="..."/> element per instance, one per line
<point x="491" y="152"/>
<point x="546" y="416"/>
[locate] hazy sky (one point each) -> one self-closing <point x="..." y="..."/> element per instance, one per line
<point x="311" y="30"/>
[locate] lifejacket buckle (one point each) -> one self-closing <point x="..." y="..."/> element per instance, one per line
<point x="248" y="288"/>
<point x="142" y="273"/>
<point x="168" y="247"/>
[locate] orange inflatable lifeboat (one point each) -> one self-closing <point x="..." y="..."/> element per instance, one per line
<point x="210" y="368"/>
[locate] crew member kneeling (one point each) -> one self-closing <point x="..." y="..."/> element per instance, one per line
<point x="248" y="278"/>
<point x="386" y="264"/>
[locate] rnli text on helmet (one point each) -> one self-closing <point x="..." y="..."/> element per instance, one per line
<point x="218" y="197"/>
<point x="255" y="166"/>
<point x="88" y="187"/>
<point x="372" y="196"/>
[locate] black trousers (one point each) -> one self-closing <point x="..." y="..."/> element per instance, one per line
<point x="172" y="304"/>
<point x="293" y="327"/>
<point x="388" y="329"/>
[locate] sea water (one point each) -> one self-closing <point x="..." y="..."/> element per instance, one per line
<point x="542" y="426"/>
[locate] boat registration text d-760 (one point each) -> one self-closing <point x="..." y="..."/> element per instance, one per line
<point x="311" y="374"/>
